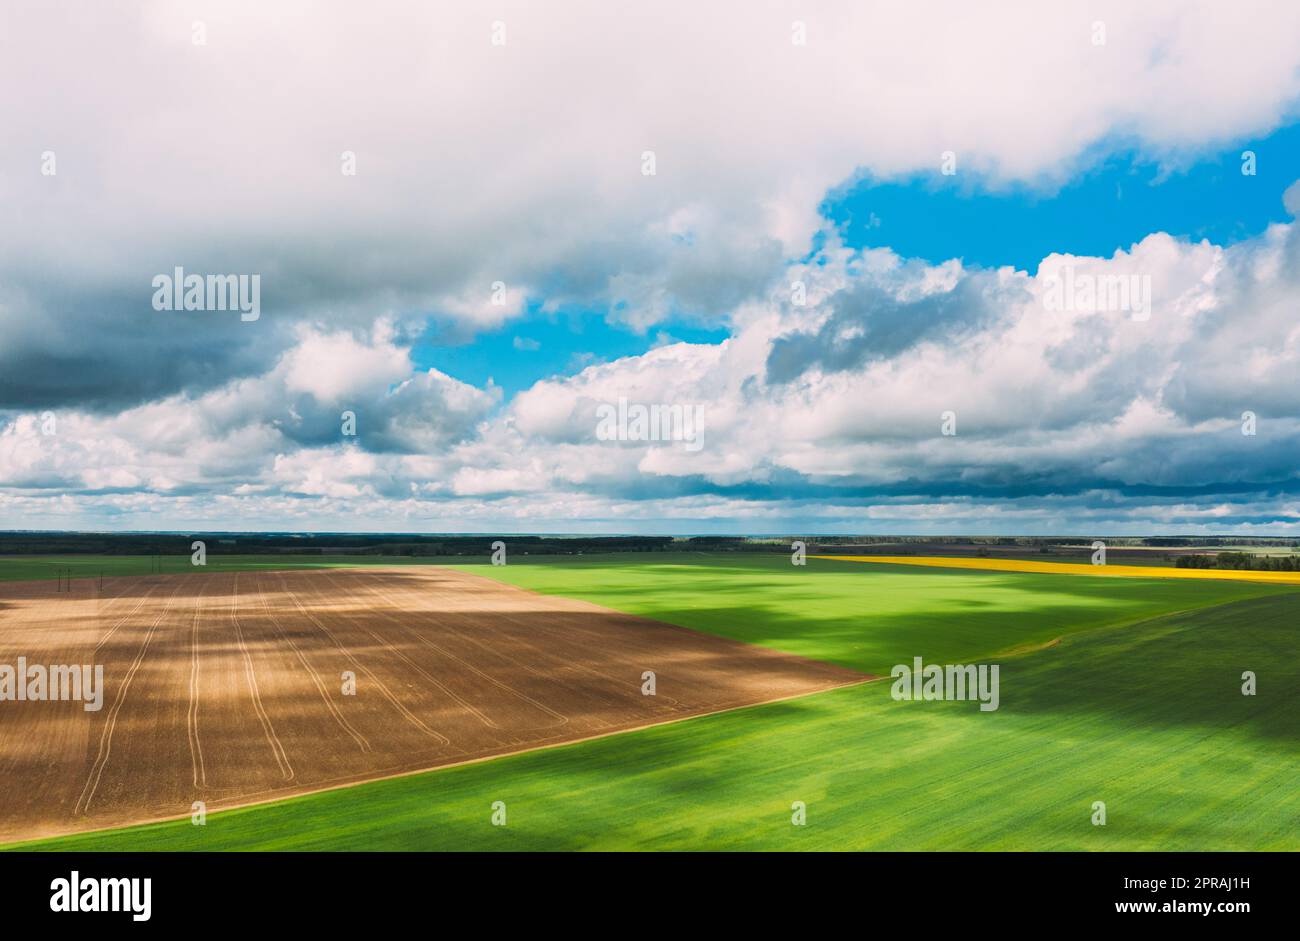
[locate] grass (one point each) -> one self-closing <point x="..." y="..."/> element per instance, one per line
<point x="1148" y="718"/>
<point x="860" y="615"/>
<point x="865" y="616"/>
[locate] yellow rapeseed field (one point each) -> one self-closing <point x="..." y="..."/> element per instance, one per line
<point x="1071" y="568"/>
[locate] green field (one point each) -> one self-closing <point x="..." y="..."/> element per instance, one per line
<point x="1139" y="706"/>
<point x="867" y="617"/>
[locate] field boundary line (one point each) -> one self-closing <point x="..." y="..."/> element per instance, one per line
<point x="1027" y="567"/>
<point x="285" y="798"/>
<point x="761" y="649"/>
<point x="590" y="632"/>
<point x="1278" y="589"/>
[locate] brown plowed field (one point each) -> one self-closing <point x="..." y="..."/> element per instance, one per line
<point x="228" y="688"/>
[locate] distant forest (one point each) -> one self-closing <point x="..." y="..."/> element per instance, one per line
<point x="15" y="543"/>
<point x="397" y="544"/>
<point x="1239" y="560"/>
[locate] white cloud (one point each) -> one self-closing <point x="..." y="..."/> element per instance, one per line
<point x="334" y="367"/>
<point x="1051" y="405"/>
<point x="522" y="165"/>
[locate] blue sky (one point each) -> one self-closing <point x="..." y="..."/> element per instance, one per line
<point x="1121" y="200"/>
<point x="413" y="163"/>
<point x="1107" y="207"/>
<point x="541" y="344"/>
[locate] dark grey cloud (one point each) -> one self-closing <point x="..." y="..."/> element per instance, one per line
<point x="869" y="323"/>
<point x="105" y="350"/>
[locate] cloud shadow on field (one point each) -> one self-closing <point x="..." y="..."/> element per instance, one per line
<point x="1182" y="670"/>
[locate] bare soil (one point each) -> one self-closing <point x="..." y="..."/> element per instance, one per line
<point x="228" y="688"/>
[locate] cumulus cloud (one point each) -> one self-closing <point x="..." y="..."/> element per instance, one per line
<point x="282" y="431"/>
<point x="868" y="322"/>
<point x="492" y="179"/>
<point x="1062" y="415"/>
<point x="522" y="163"/>
<point x="1048" y="403"/>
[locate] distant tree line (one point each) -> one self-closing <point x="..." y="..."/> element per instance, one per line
<point x="1240" y="560"/>
<point x="410" y="544"/>
<point x="330" y="544"/>
<point x="1036" y="542"/>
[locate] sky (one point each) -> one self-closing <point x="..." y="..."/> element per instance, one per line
<point x="917" y="268"/>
